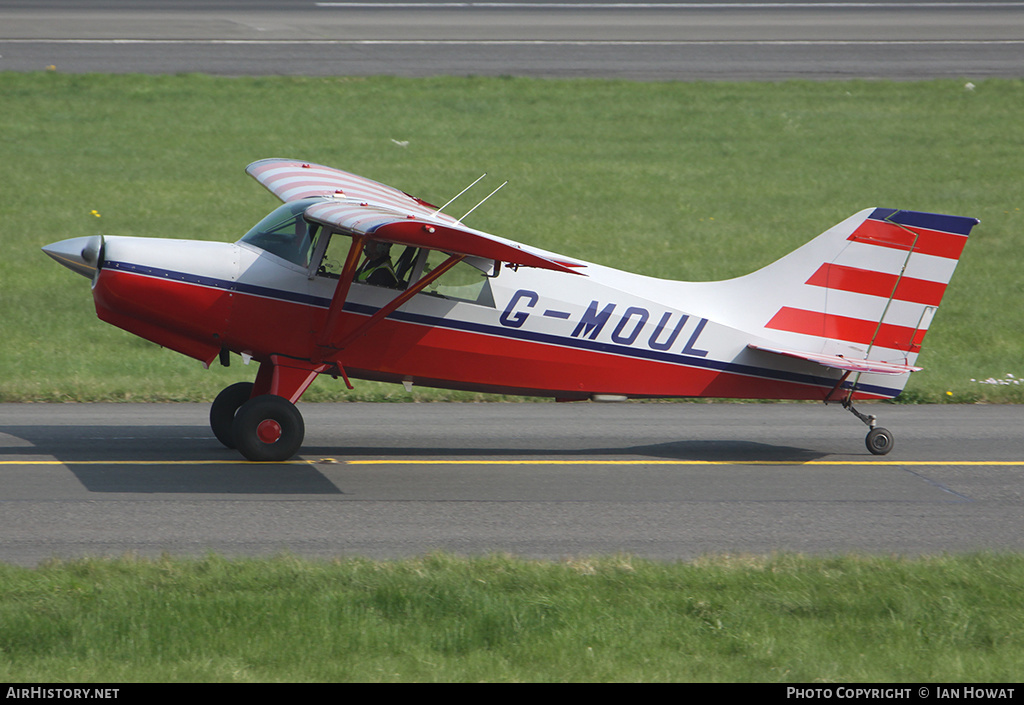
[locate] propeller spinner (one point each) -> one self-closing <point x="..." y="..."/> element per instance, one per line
<point x="79" y="254"/>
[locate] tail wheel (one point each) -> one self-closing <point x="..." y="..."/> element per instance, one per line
<point x="268" y="428"/>
<point x="879" y="441"/>
<point x="222" y="412"/>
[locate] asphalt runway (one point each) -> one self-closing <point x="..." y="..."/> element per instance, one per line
<point x="665" y="481"/>
<point x="646" y="41"/>
<point x="659" y="480"/>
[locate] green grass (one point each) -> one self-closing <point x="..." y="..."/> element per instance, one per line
<point x="677" y="180"/>
<point x="442" y="618"/>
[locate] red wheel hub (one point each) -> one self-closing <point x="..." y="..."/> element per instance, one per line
<point x="269" y="431"/>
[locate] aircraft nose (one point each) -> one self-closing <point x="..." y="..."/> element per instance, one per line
<point x="79" y="254"/>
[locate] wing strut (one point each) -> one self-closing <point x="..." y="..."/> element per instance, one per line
<point x="327" y="346"/>
<point x="387" y="310"/>
<point x="348" y="273"/>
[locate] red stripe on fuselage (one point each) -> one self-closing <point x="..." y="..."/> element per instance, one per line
<point x="864" y="281"/>
<point x="396" y="350"/>
<point x="488" y="363"/>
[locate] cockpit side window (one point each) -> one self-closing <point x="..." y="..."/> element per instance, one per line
<point x="466" y="281"/>
<point x="378" y="265"/>
<point x="394" y="266"/>
<point x="285" y="233"/>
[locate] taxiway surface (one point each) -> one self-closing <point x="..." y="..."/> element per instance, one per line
<point x="706" y="40"/>
<point x="665" y="481"/>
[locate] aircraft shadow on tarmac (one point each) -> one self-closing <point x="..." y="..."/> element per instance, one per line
<point x="702" y="451"/>
<point x="160" y="459"/>
<point x="186" y="459"/>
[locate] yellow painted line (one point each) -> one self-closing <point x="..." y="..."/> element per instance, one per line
<point x="328" y="461"/>
<point x="952" y="463"/>
<point x="151" y="462"/>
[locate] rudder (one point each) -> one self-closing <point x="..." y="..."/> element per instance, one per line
<point x="873" y="292"/>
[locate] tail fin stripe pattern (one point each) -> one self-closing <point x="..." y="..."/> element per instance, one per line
<point x="880" y="284"/>
<point x="853" y="330"/>
<point x="956" y="224"/>
<point x="921" y="240"/>
<point x="860" y="297"/>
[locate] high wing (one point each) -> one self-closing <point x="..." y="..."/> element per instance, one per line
<point x="292" y="180"/>
<point x="367" y="210"/>
<point x="379" y="223"/>
<point x="363" y="207"/>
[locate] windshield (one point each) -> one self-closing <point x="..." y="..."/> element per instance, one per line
<point x="284" y="232"/>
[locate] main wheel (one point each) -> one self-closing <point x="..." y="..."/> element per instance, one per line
<point x="268" y="428"/>
<point x="222" y="412"/>
<point x="879" y="441"/>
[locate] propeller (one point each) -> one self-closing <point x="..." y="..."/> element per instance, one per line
<point x="83" y="255"/>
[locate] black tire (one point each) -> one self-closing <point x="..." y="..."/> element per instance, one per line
<point x="879" y="441"/>
<point x="222" y="412"/>
<point x="268" y="428"/>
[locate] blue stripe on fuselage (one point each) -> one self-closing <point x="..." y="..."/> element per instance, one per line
<point x="492" y="330"/>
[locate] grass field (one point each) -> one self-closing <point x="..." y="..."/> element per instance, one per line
<point x="687" y="181"/>
<point x="786" y="619"/>
<point x="676" y="180"/>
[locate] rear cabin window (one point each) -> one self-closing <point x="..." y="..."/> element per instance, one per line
<point x="463" y="282"/>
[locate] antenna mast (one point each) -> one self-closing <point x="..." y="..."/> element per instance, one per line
<point x="480" y="203"/>
<point x="459" y="194"/>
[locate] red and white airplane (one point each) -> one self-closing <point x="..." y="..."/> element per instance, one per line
<point x="312" y="289"/>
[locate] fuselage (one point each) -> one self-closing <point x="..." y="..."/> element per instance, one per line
<point x="525" y="331"/>
<point x="353" y="278"/>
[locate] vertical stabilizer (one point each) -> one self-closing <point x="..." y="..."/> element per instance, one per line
<point x="866" y="289"/>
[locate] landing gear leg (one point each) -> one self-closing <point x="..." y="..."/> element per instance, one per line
<point x="260" y="419"/>
<point x="879" y="440"/>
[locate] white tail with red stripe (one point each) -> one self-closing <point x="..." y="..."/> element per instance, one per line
<point x="861" y="296"/>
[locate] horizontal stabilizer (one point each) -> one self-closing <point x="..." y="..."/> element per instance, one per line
<point x="839" y="362"/>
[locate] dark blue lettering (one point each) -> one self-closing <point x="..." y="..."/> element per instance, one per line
<point x="592" y="321"/>
<point x="551" y="313"/>
<point x="624" y="321"/>
<point x="689" y="349"/>
<point x="653" y="342"/>
<point x="519" y="318"/>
